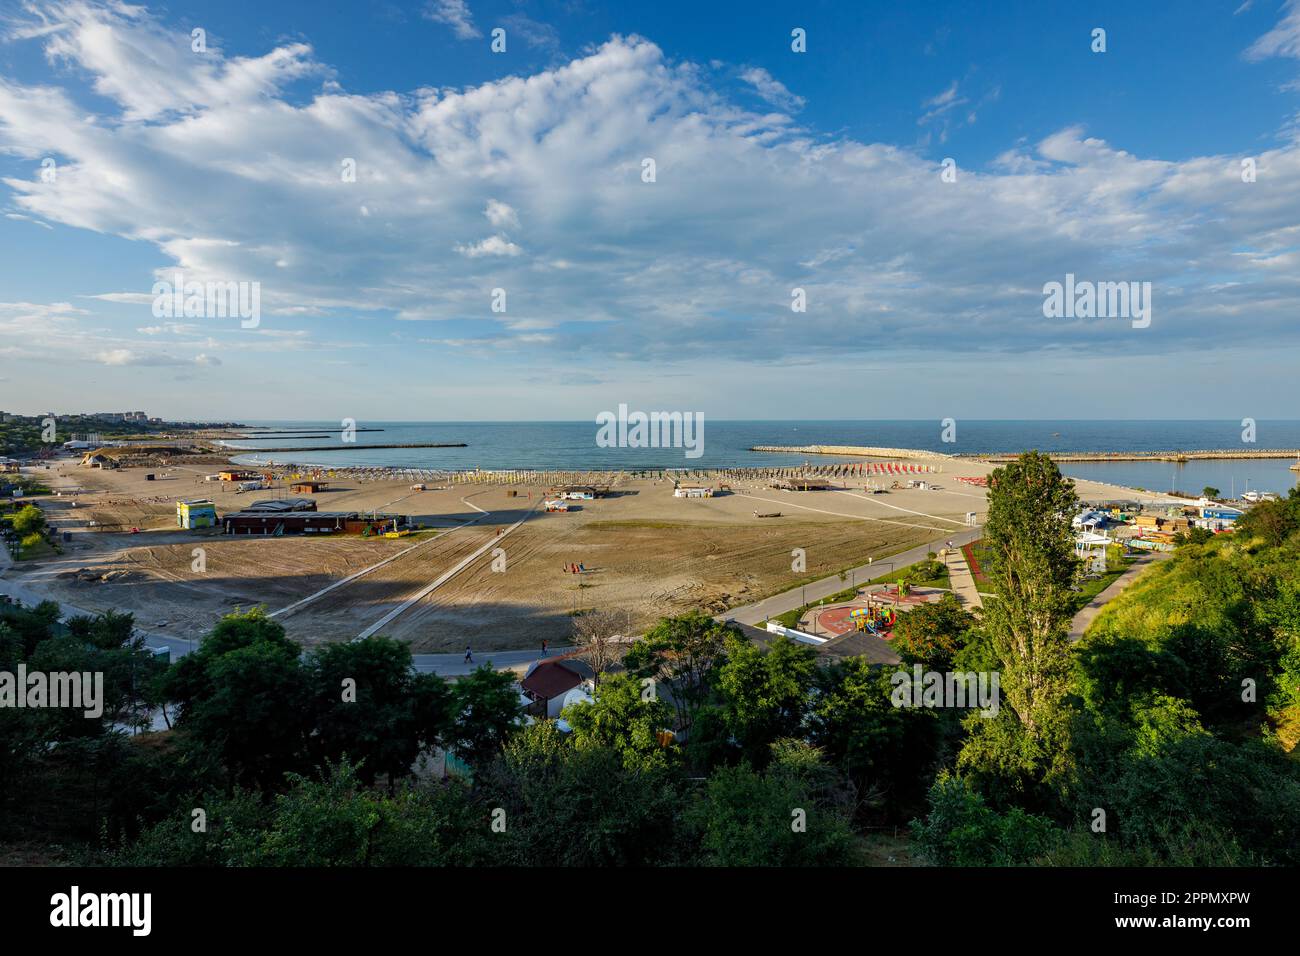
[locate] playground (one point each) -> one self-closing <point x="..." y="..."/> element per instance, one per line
<point x="875" y="612"/>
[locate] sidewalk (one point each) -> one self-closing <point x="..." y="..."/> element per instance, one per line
<point x="962" y="581"/>
<point x="1090" y="611"/>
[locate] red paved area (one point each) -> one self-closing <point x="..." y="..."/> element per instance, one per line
<point x="837" y="620"/>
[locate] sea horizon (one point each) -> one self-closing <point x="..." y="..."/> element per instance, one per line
<point x="571" y="445"/>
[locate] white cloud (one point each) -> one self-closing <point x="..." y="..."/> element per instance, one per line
<point x="491" y="246"/>
<point x="131" y="298"/>
<point x="1283" y="39"/>
<point x="747" y="206"/>
<point x="455" y="14"/>
<point x="501" y="215"/>
<point x="539" y="36"/>
<point x="771" y="89"/>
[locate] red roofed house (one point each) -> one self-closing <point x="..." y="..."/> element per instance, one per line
<point x="550" y="679"/>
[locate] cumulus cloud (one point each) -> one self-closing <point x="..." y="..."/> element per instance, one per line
<point x="501" y="215"/>
<point x="746" y="206"/>
<point x="491" y="246"/>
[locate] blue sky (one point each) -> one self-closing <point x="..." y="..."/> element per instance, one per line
<point x="775" y="170"/>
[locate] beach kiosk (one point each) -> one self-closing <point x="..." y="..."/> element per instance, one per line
<point x="197" y="513"/>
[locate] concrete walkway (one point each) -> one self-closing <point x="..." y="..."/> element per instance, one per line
<point x="962" y="581"/>
<point x="1085" y="617"/>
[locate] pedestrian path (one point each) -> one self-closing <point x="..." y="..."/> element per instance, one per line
<point x="962" y="581"/>
<point x="1089" y="613"/>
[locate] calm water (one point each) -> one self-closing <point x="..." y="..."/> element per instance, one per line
<point x="572" y="445"/>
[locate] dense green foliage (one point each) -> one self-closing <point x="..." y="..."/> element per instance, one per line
<point x="1176" y="721"/>
<point x="1166" y="736"/>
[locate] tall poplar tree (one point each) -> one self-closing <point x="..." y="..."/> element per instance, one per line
<point x="1031" y="570"/>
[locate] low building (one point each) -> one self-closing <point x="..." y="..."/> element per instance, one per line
<point x="1221" y="512"/>
<point x="1218" y="518"/>
<point x="802" y="484"/>
<point x="196" y="513"/>
<point x="549" y="680"/>
<point x="580" y="492"/>
<point x="692" y="491"/>
<point x="1090" y="520"/>
<point x="308" y="522"/>
<point x="282" y="505"/>
<point x="308" y="487"/>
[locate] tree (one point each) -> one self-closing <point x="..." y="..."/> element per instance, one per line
<point x="883" y="749"/>
<point x="962" y="830"/>
<point x="1031" y="570"/>
<point x="1194" y="536"/>
<point x="598" y="634"/>
<point x="568" y="806"/>
<point x="680" y="652"/>
<point x="765" y="692"/>
<point x="370" y="705"/>
<point x="775" y="819"/>
<point x="189" y="681"/>
<point x="331" y="821"/>
<point x="1211" y="492"/>
<point x="108" y="631"/>
<point x="625" y="720"/>
<point x="932" y="634"/>
<point x="485" y="711"/>
<point x="31" y="625"/>
<point x="1273" y="521"/>
<point x="257" y="715"/>
<point x="30" y="520"/>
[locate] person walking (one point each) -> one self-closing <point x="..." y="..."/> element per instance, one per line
<point x="469" y="655"/>
<point x="543" y="647"/>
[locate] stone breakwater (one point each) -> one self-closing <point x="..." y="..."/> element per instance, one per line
<point x="1083" y="456"/>
<point x="860" y="451"/>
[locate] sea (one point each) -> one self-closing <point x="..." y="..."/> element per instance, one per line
<point x="572" y="446"/>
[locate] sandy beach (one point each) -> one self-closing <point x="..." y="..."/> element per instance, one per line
<point x="644" y="552"/>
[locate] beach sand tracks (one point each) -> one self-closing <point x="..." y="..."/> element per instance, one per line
<point x="342" y="613"/>
<point x="649" y="569"/>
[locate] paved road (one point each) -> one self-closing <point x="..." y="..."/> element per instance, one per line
<point x="1090" y="611"/>
<point x="453" y="665"/>
<point x="811" y="593"/>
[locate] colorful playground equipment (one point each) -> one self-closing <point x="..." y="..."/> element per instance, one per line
<point x="873" y="619"/>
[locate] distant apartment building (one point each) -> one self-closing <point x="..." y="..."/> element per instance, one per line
<point x="120" y="416"/>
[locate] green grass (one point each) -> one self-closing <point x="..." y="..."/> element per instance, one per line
<point x="1115" y="566"/>
<point x="41" y="550"/>
<point x="982" y="555"/>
